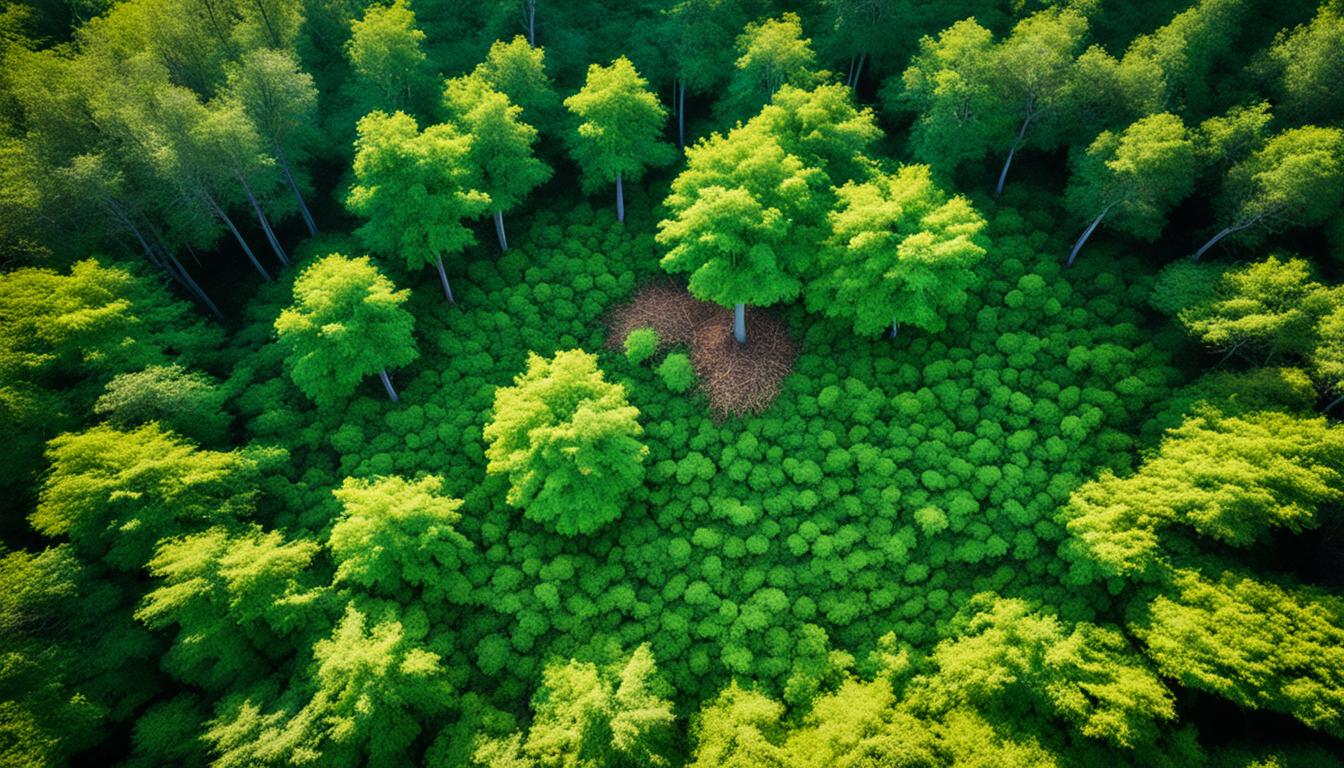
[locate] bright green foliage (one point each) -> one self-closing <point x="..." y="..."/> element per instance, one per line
<point x="1180" y="56"/>
<point x="1225" y="139"/>
<point x="677" y="372"/>
<point x="1327" y="359"/>
<point x="501" y="143"/>
<point x="1267" y="308"/>
<point x="1232" y="478"/>
<point x="187" y="402"/>
<point x="1089" y="677"/>
<point x="385" y="52"/>
<point x="860" y="725"/>
<point x="518" y="70"/>
<point x="771" y="53"/>
<point x="346" y="322"/>
<point x="744" y="216"/>
<point x="823" y="128"/>
<point x="619" y="126"/>
<point x="395" y="536"/>
<point x="417" y="190"/>
<point x="1311" y="65"/>
<point x="587" y="716"/>
<point x="1129" y="181"/>
<point x="568" y="441"/>
<point x="901" y="252"/>
<point x="236" y="600"/>
<point x="640" y="344"/>
<point x="113" y="494"/>
<point x="739" y="729"/>
<point x="1256" y="642"/>
<point x="372" y="685"/>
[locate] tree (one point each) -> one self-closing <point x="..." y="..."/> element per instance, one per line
<point x="743" y="216"/>
<point x="187" y="402"/>
<point x="619" y="125"/>
<point x="740" y="729"/>
<point x="384" y="50"/>
<point x="237" y="600"/>
<point x="1131" y="180"/>
<point x="416" y="190"/>
<point x="823" y="128"/>
<point x="1181" y="56"/>
<point x="501" y="146"/>
<point x="568" y="441"/>
<point x="395" y="535"/>
<point x="771" y="54"/>
<point x="346" y="323"/>
<point x="700" y="44"/>
<point x="1294" y="180"/>
<point x="113" y="494"/>
<point x="518" y="70"/>
<point x="281" y="101"/>
<point x="1307" y="56"/>
<point x="901" y="252"/>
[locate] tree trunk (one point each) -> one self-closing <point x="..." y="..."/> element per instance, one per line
<point x="620" y="199"/>
<point x="531" y="11"/>
<point x="681" y="114"/>
<point x="1021" y="133"/>
<point x="275" y="39"/>
<point x="224" y="217"/>
<point x="443" y="278"/>
<point x="895" y="330"/>
<point x="849" y="78"/>
<point x="1227" y="231"/>
<point x="264" y="222"/>
<point x="858" y="72"/>
<point x="1334" y="402"/>
<point x="1086" y="234"/>
<point x="499" y="231"/>
<point x="197" y="289"/>
<point x="740" y="323"/>
<point x="387" y="384"/>
<point x="294" y="187"/>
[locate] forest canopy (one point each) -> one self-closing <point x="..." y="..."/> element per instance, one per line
<point x="672" y="383"/>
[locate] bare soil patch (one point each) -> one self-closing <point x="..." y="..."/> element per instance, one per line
<point x="736" y="378"/>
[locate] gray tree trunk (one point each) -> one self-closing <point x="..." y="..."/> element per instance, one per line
<point x="895" y="330"/>
<point x="1021" y="134"/>
<point x="530" y="11"/>
<point x="620" y="199"/>
<point x="499" y="231"/>
<point x="294" y="187"/>
<point x="443" y="278"/>
<point x="681" y="114"/>
<point x="1086" y="234"/>
<point x="387" y="384"/>
<point x="224" y="217"/>
<point x="265" y="223"/>
<point x="1227" y="231"/>
<point x="740" y="323"/>
<point x="858" y="72"/>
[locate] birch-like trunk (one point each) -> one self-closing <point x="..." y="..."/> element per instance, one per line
<point x="740" y="323"/>
<point x="1227" y="231"/>
<point x="294" y="187"/>
<point x="1086" y="234"/>
<point x="499" y="231"/>
<point x="387" y="385"/>
<point x="895" y="330"/>
<point x="1021" y="134"/>
<point x="443" y="278"/>
<point x="620" y="199"/>
<point x="858" y="72"/>
<point x="228" y="222"/>
<point x="264" y="222"/>
<point x="681" y="114"/>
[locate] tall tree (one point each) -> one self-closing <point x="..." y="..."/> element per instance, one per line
<point x="501" y="146"/>
<point x="771" y="53"/>
<point x="619" y="126"/>
<point x="901" y="251"/>
<point x="385" y="51"/>
<point x="568" y="440"/>
<point x="1132" y="179"/>
<point x="346" y="323"/>
<point x="416" y="189"/>
<point x="1311" y="70"/>
<point x="699" y="38"/>
<point x="518" y="70"/>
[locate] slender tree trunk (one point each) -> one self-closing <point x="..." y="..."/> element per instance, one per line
<point x="1227" y="231"/>
<point x="169" y="264"/>
<point x="859" y="71"/>
<point x="1021" y="133"/>
<point x="224" y="217"/>
<point x="197" y="289"/>
<point x="275" y="39"/>
<point x="443" y="278"/>
<point x="294" y="187"/>
<point x="499" y="231"/>
<point x="681" y="113"/>
<point x="1078" y="246"/>
<point x="1335" y="402"/>
<point x="620" y="199"/>
<point x="740" y="323"/>
<point x="895" y="330"/>
<point x="265" y="223"/>
<point x="849" y="78"/>
<point x="387" y="384"/>
<point x="530" y="10"/>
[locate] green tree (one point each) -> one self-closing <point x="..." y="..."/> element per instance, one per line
<point x="237" y="599"/>
<point x="114" y="494"/>
<point x="385" y="51"/>
<point x="739" y="729"/>
<point x="416" y="190"/>
<point x="501" y="146"/>
<point x="1267" y="308"/>
<point x="1308" y="58"/>
<point x="771" y="53"/>
<point x="187" y="402"/>
<point x="395" y="535"/>
<point x="518" y="70"/>
<point x="1181" y="56"/>
<point x="346" y="323"/>
<point x="1294" y="180"/>
<point x="901" y="251"/>
<point x="1132" y="179"/>
<point x="568" y="441"/>
<point x="619" y="124"/>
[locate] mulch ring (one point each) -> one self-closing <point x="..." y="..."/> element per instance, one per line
<point x="736" y="378"/>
